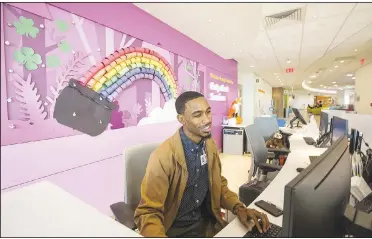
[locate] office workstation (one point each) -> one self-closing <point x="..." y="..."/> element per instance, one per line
<point x="314" y="181"/>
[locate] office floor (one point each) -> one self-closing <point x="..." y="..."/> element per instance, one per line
<point x="235" y="167"/>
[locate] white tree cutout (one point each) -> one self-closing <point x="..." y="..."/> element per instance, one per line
<point x="194" y="74"/>
<point x="137" y="110"/>
<point x="32" y="108"/>
<point x="148" y="104"/>
<point x="129" y="43"/>
<point x="79" y="27"/>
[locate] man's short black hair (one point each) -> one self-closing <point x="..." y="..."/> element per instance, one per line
<point x="185" y="97"/>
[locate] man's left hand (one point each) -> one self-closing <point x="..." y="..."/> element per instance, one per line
<point x="246" y="214"/>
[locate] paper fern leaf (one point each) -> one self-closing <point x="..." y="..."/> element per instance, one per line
<point x="32" y="108"/>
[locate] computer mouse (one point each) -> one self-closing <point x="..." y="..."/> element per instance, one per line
<point x="299" y="169"/>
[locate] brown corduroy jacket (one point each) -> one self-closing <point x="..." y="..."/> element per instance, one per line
<point x="164" y="184"/>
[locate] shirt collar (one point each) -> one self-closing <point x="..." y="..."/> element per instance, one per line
<point x="187" y="142"/>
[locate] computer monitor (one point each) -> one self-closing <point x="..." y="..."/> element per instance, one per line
<point x="315" y="200"/>
<point x="297" y="116"/>
<point x="353" y="143"/>
<point x="339" y="128"/>
<point x="323" y="126"/>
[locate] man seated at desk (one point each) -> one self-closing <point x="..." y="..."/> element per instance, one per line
<point x="183" y="190"/>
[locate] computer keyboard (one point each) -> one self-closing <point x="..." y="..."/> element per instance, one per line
<point x="274" y="231"/>
<point x="312" y="158"/>
<point x="309" y="140"/>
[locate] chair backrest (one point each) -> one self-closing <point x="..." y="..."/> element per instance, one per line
<point x="135" y="163"/>
<point x="267" y="126"/>
<point x="257" y="147"/>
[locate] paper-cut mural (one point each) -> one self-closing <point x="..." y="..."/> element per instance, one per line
<point x="42" y="55"/>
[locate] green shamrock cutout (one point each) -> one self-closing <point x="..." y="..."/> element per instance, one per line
<point x="26" y="27"/>
<point x="53" y="61"/>
<point x="62" y="25"/>
<point x="64" y="47"/>
<point x="27" y="57"/>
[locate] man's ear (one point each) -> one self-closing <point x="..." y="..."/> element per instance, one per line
<point x="181" y="119"/>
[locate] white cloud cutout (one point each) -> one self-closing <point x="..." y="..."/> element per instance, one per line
<point x="161" y="115"/>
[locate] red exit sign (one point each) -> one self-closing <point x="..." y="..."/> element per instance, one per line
<point x="289" y="70"/>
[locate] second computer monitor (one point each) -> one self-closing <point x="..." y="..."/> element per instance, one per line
<point x="299" y="116"/>
<point x="339" y="128"/>
<point x="323" y="126"/>
<point x="315" y="200"/>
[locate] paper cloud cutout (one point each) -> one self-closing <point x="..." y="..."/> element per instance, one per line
<point x="161" y="115"/>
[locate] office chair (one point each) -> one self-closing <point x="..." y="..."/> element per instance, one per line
<point x="268" y="126"/>
<point x="135" y="163"/>
<point x="260" y="154"/>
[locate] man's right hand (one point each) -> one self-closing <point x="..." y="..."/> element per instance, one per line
<point x="245" y="214"/>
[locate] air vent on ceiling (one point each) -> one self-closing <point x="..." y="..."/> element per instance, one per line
<point x="295" y="15"/>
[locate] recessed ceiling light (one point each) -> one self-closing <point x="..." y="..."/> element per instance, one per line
<point x="335" y="85"/>
<point x="241" y="50"/>
<point x="336" y="66"/>
<point x="334" y="82"/>
<point x="313" y="76"/>
<point x="310" y="81"/>
<point x="209" y="20"/>
<point x="331" y="70"/>
<point x="275" y="73"/>
<point x="288" y="61"/>
<point x="356" y="50"/>
<point x="321" y="85"/>
<point x="349" y="75"/>
<point x="341" y="89"/>
<point x="353" y="78"/>
<point x="251" y="66"/>
<point x="279" y="79"/>
<point x="342" y="61"/>
<point x="325" y="87"/>
<point x="314" y="16"/>
<point x="233" y="43"/>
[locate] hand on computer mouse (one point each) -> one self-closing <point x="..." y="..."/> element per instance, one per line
<point x="245" y="214"/>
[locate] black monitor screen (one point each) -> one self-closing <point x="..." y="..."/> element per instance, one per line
<point x="323" y="126"/>
<point x="339" y="128"/>
<point x="299" y="116"/>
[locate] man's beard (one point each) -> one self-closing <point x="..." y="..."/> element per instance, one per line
<point x="208" y="136"/>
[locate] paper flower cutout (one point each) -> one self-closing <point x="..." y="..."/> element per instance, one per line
<point x="26" y="27"/>
<point x="28" y="57"/>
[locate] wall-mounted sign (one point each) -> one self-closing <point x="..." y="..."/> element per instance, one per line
<point x="289" y="70"/>
<point x="261" y="91"/>
<point x="216" y="91"/>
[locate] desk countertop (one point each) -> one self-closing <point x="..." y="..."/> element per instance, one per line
<point x="45" y="210"/>
<point x="274" y="193"/>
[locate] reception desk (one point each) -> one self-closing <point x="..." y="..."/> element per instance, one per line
<point x="274" y="193"/>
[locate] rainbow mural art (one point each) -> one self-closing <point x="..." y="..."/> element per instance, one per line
<point x="122" y="68"/>
<point x="86" y="104"/>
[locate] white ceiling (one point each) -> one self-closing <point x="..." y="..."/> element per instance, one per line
<point x="326" y="32"/>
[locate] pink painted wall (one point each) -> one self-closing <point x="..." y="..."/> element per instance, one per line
<point x="91" y="167"/>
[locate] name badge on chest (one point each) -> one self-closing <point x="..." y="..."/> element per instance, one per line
<point x="203" y="159"/>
